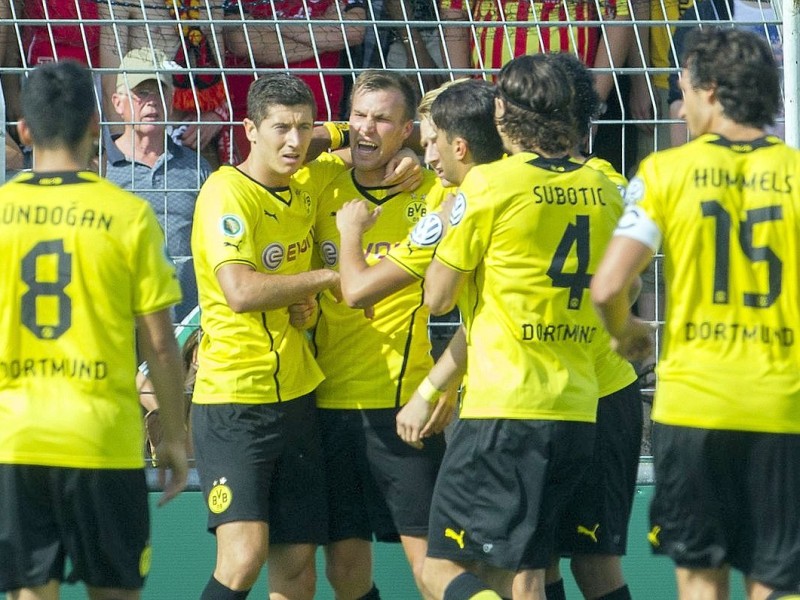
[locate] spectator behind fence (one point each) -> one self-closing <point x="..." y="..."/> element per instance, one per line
<point x="81" y="284"/>
<point x="48" y="42"/>
<point x="752" y="15"/>
<point x="412" y="47"/>
<point x="661" y="57"/>
<point x="289" y="46"/>
<point x="199" y="99"/>
<point x="9" y="57"/>
<point x="145" y="160"/>
<point x="559" y="27"/>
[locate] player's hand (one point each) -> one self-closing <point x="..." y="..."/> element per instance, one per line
<point x="446" y="207"/>
<point x="636" y="342"/>
<point x="442" y="414"/>
<point x="403" y="172"/>
<point x="171" y="455"/>
<point x="355" y="217"/>
<point x="301" y="314"/>
<point x="411" y="420"/>
<point x="641" y="103"/>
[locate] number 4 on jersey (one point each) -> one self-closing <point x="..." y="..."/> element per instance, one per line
<point x="577" y="235"/>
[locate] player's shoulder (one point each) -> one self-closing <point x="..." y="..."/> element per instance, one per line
<point x="326" y="164"/>
<point x="607" y="169"/>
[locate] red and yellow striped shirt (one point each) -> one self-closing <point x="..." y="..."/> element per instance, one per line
<point x="504" y="29"/>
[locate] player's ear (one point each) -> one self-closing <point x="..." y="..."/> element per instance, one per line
<point x="250" y="129"/>
<point x="499" y="107"/>
<point x="460" y="148"/>
<point x="24" y="132"/>
<point x="408" y="128"/>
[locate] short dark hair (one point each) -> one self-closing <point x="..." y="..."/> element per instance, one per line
<point x="466" y="110"/>
<point x="58" y="103"/>
<point x="277" y="89"/>
<point x="586" y="104"/>
<point x="373" y="80"/>
<point x="538" y="97"/>
<point x="741" y="66"/>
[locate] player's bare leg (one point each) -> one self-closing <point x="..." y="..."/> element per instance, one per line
<point x="242" y="548"/>
<point x="97" y="593"/>
<point x="528" y="585"/>
<point x="597" y="574"/>
<point x="416" y="548"/>
<point x="48" y="591"/>
<point x="703" y="584"/>
<point x="292" y="571"/>
<point x="348" y="567"/>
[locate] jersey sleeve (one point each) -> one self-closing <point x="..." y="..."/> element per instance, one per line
<point x="642" y="219"/>
<point x="470" y="225"/>
<point x="222" y="223"/>
<point x="155" y="282"/>
<point x="415" y="252"/>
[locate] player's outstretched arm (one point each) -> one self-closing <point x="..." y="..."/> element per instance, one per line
<point x="247" y="290"/>
<point x="362" y="284"/>
<point x="611" y="291"/>
<point x="159" y="348"/>
<point x="442" y="287"/>
<point x="431" y="406"/>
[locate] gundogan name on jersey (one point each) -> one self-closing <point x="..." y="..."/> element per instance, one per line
<point x="25" y="214"/>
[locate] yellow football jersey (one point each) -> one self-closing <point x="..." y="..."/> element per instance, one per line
<point x="415" y="252"/>
<point x="378" y="362"/>
<point x="82" y="259"/>
<point x="254" y="357"/>
<point x="613" y="372"/>
<point x="729" y="215"/>
<point x="533" y="230"/>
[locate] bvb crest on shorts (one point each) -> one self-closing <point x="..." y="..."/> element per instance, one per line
<point x="220" y="496"/>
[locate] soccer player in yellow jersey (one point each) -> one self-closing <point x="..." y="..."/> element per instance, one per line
<point x="372" y="365"/>
<point x="726" y="438"/>
<point x="84" y="269"/>
<point x="529" y="230"/>
<point x="593" y="530"/>
<point x="253" y="416"/>
<point x="464" y="136"/>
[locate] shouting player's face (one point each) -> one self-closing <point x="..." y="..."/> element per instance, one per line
<point x="278" y="145"/>
<point x="378" y="129"/>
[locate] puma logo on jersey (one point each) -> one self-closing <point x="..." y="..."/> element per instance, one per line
<point x="458" y="537"/>
<point x="590" y="533"/>
<point x="232" y="245"/>
<point x="652" y="537"/>
<point x="269" y="214"/>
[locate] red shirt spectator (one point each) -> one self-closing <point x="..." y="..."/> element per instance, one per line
<point x="327" y="89"/>
<point x="48" y="43"/>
